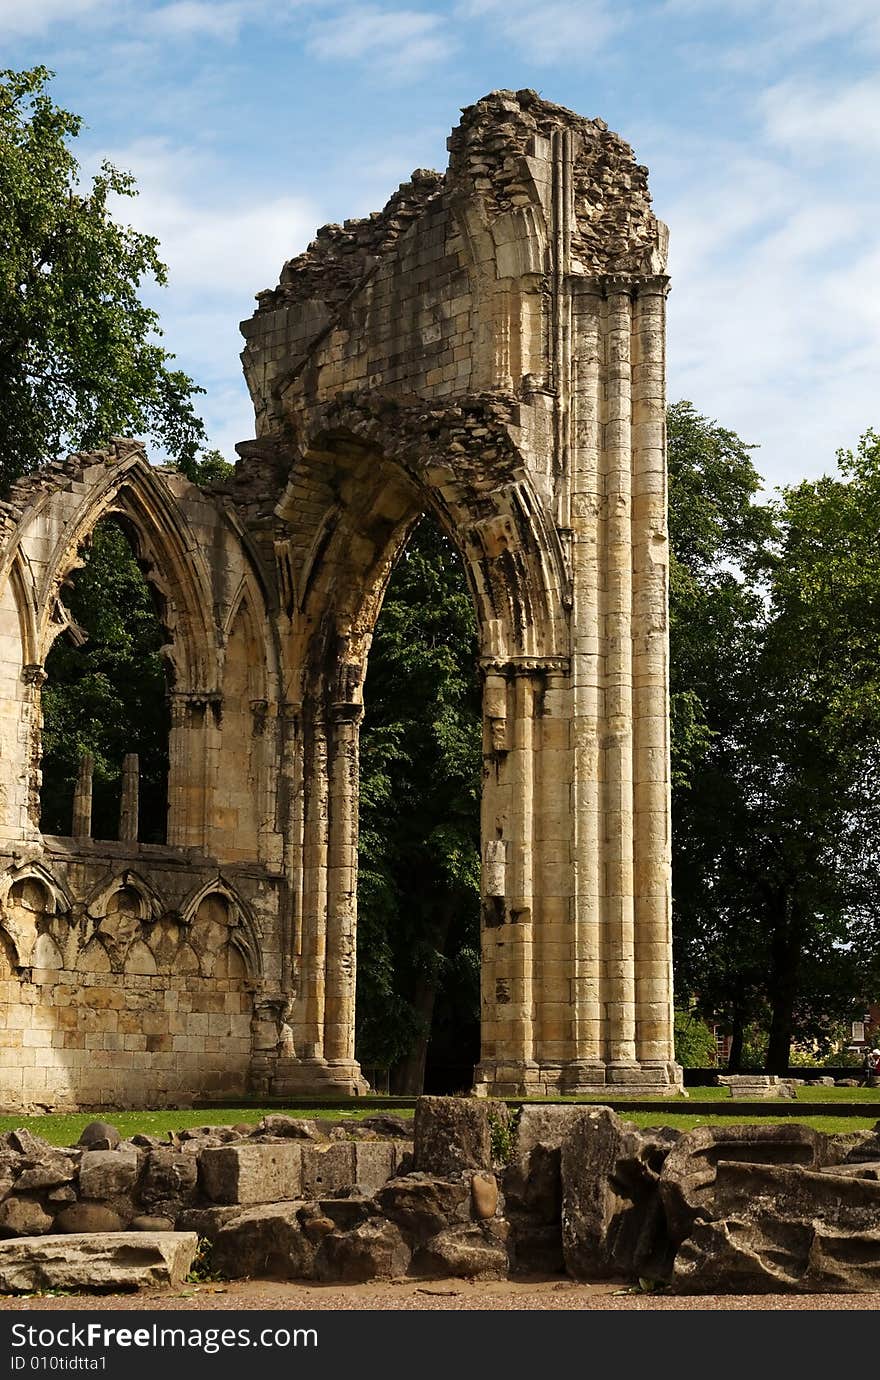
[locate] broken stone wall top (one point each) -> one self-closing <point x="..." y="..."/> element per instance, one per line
<point x="490" y="152"/>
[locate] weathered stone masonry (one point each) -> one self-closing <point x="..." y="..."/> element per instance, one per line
<point x="489" y="348"/>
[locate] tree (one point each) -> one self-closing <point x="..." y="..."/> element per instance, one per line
<point x="776" y="809"/>
<point x="79" y="354"/>
<point x="418" y="889"/>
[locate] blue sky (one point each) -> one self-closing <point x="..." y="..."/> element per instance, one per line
<point x="248" y="123"/>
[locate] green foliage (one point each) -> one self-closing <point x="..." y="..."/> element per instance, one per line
<point x="695" y="1046"/>
<point x="203" y="1269"/>
<point x="107" y="696"/>
<point x="79" y="354"/>
<point x="418" y="888"/>
<point x="777" y="814"/>
<point x="502" y="1137"/>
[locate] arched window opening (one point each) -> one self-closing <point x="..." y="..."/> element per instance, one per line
<point x="106" y="695"/>
<point x="419" y="839"/>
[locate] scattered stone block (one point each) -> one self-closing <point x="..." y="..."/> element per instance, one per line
<point x="107" y="1173"/>
<point x="423" y="1205"/>
<point x="455" y="1133"/>
<point x="99" y="1135"/>
<point x="102" y="1262"/>
<point x="265" y="1241"/>
<point x="374" y="1250"/>
<point x="24" y="1217"/>
<point x="471" y="1251"/>
<point x="252" y="1173"/>
<point x="81" y="1218"/>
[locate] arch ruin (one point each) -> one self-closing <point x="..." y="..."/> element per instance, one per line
<point x="489" y="347"/>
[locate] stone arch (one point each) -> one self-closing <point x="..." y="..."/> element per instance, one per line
<point x="236" y="915"/>
<point x="145" y="901"/>
<point x="28" y="896"/>
<point x="136" y="492"/>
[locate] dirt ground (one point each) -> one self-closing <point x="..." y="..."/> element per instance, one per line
<point x="435" y="1295"/>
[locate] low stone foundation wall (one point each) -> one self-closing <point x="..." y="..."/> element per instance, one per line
<point x="464" y="1191"/>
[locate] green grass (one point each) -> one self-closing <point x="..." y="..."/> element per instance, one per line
<point x="65" y="1129"/>
<point x="683" y="1121"/>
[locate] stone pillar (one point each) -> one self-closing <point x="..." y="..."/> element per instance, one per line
<point x="342" y="885"/>
<point x="617" y="752"/>
<point x="587" y="691"/>
<point x="310" y="1026"/>
<point x="650" y="563"/>
<point x="128" y="803"/>
<point x="81" y="827"/>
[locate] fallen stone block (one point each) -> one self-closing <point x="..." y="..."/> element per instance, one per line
<point x="475" y="1250"/>
<point x="252" y="1173"/>
<point x="265" y="1241"/>
<point x="80" y="1218"/>
<point x="612" y="1218"/>
<point x="688" y="1182"/>
<point x="99" y="1135"/>
<point x="291" y="1128"/>
<point x="455" y="1133"/>
<point x="107" y="1173"/>
<point x="23" y="1217"/>
<point x="207" y="1221"/>
<point x="374" y="1250"/>
<point x="105" y="1263"/>
<point x="423" y="1205"/>
<point x="783" y="1229"/>
<point x="45" y="1171"/>
<point x="169" y="1182"/>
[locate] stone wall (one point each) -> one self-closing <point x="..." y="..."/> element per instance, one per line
<point x="466" y="1191"/>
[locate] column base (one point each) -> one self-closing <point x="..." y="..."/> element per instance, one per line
<point x="289" y="1077"/>
<point x="577" y="1078"/>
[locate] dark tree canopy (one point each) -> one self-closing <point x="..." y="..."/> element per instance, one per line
<point x="418" y="890"/>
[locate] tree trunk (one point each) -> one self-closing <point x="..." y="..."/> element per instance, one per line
<point x="785" y="960"/>
<point x="408" y="1078"/>
<point x="737" y="1039"/>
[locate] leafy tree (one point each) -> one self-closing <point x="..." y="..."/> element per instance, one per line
<point x="79" y="354"/>
<point x="775" y="820"/>
<point x="418" y="931"/>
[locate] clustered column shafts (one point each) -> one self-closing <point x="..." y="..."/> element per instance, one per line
<point x="653" y="931"/>
<point x="617" y="748"/>
<point x="342" y="885"/>
<point x="588" y="666"/>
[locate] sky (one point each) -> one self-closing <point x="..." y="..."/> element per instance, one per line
<point x="249" y="123"/>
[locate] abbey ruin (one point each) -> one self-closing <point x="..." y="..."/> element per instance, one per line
<point x="489" y="348"/>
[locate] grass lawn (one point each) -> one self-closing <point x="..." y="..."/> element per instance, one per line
<point x="65" y="1129"/>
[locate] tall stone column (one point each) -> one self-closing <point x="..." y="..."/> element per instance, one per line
<point x="341" y="965"/>
<point x="651" y="791"/>
<point x="587" y="689"/>
<point x="618" y="907"/>
<point x="310" y="1026"/>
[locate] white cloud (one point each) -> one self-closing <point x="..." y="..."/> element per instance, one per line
<point x="815" y="119"/>
<point x="184" y="19"/>
<point x="397" y="44"/>
<point x="32" y="18"/>
<point x="774" y="316"/>
<point x="557" y="30"/>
